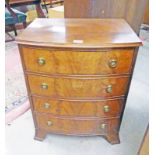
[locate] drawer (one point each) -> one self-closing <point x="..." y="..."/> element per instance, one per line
<point x="116" y="61"/>
<point x="73" y="126"/>
<point x="78" y="87"/>
<point x="107" y="108"/>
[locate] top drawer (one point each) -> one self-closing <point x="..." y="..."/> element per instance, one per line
<point x="116" y="61"/>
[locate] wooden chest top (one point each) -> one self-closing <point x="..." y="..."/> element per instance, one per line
<point x="79" y="33"/>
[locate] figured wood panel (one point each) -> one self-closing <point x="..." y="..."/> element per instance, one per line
<point x="77" y="126"/>
<point x="78" y="62"/>
<point x="78" y="108"/>
<point x="78" y="87"/>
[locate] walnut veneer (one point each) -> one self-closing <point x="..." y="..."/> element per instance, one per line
<point x="78" y="73"/>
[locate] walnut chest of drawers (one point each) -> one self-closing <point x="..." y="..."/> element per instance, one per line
<point x="78" y="73"/>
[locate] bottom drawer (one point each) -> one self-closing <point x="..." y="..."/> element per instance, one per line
<point x="76" y="126"/>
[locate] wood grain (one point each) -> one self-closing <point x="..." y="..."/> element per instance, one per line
<point x="77" y="74"/>
<point x="78" y="62"/>
<point x="146" y="15"/>
<point x="76" y="108"/>
<point x="82" y="8"/>
<point x="130" y="10"/>
<point x="78" y="87"/>
<point x="77" y="126"/>
<point x="135" y="13"/>
<point x="144" y="148"/>
<point x="92" y="33"/>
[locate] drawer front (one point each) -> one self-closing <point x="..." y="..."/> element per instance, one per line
<point x="76" y="126"/>
<point x="77" y="87"/>
<point x="108" y="108"/>
<point x="117" y="61"/>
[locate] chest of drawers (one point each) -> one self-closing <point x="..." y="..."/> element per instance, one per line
<point x="78" y="73"/>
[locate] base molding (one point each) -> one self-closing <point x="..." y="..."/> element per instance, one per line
<point x="112" y="138"/>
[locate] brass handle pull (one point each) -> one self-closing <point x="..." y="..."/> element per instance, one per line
<point x="41" y="61"/>
<point x="44" y="86"/>
<point x="109" y="89"/>
<point x="49" y="123"/>
<point x="113" y="63"/>
<point x="106" y="108"/>
<point x="103" y="126"/>
<point x="46" y="105"/>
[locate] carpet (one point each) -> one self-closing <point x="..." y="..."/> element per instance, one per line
<point x="14" y="79"/>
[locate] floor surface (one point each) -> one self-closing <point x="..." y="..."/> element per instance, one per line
<point x="14" y="78"/>
<point x="19" y="135"/>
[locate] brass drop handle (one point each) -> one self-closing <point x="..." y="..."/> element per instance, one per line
<point x="109" y="89"/>
<point x="49" y="123"/>
<point x="44" y="86"/>
<point x="41" y="61"/>
<point x="103" y="126"/>
<point x="113" y="63"/>
<point x="46" y="105"/>
<point x="106" y="108"/>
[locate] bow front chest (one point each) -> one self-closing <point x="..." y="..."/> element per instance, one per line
<point x="78" y="73"/>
